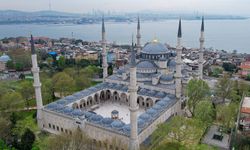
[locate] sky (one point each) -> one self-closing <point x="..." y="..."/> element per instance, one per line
<point x="227" y="7"/>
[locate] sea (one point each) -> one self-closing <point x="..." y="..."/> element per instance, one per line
<point x="226" y="35"/>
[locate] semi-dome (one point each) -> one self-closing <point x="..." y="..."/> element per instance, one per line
<point x="155" y="48"/>
<point x="167" y="77"/>
<point x="146" y="65"/>
<point x="4" y="58"/>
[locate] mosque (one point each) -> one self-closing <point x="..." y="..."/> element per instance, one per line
<point x="128" y="105"/>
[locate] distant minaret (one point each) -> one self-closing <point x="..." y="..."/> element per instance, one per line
<point x="134" y="141"/>
<point x="178" y="75"/>
<point x="37" y="84"/>
<point x="202" y="40"/>
<point x="104" y="52"/>
<point x="138" y="36"/>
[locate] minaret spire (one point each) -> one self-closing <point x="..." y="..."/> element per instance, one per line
<point x="104" y="52"/>
<point x="138" y="36"/>
<point x="202" y="40"/>
<point x="133" y="88"/>
<point x="37" y="84"/>
<point x="178" y="74"/>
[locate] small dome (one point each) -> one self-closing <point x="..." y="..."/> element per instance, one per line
<point x="61" y="101"/>
<point x="67" y="110"/>
<point x="151" y="112"/>
<point x="160" y="94"/>
<point x="141" y="123"/>
<point x="78" y="94"/>
<point x="59" y="108"/>
<point x="4" y="58"/>
<point x="114" y="112"/>
<point x="88" y="114"/>
<point x="167" y="77"/>
<point x="146" y="65"/>
<point x="162" y="103"/>
<point x="145" y="117"/>
<point x="117" y="124"/>
<point x="171" y="64"/>
<point x="51" y="106"/>
<point x="107" y="122"/>
<point x="77" y="112"/>
<point x="96" y="118"/>
<point x="126" y="129"/>
<point x="166" y="99"/>
<point x="155" y="48"/>
<point x="70" y="98"/>
<point x="157" y="107"/>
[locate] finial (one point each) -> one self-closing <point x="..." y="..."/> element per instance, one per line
<point x="33" y="51"/>
<point x="138" y="23"/>
<point x="103" y="25"/>
<point x="133" y="62"/>
<point x="179" y="29"/>
<point x="202" y="24"/>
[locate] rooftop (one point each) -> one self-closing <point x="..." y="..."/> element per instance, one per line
<point x="245" y="108"/>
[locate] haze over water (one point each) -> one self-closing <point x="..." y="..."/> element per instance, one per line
<point x="220" y="34"/>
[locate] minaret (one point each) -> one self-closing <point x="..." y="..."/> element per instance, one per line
<point x="134" y="141"/>
<point x="37" y="84"/>
<point x="104" y="52"/>
<point x="202" y="40"/>
<point x="178" y="75"/>
<point x="138" y="36"/>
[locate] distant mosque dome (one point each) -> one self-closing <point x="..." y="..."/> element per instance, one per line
<point x="4" y="58"/>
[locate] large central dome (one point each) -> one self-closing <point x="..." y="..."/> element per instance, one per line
<point x="155" y="48"/>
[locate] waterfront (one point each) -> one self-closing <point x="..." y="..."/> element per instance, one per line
<point x="220" y="34"/>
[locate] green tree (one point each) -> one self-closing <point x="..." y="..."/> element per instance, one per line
<point x="180" y="129"/>
<point x="27" y="91"/>
<point x="10" y="99"/>
<point x="229" y="67"/>
<point x="196" y="91"/>
<point x="224" y="87"/>
<point x="205" y="112"/>
<point x="61" y="63"/>
<point x="226" y="115"/>
<point x="76" y="141"/>
<point x="47" y="90"/>
<point x="63" y="83"/>
<point x="10" y="64"/>
<point x="5" y="129"/>
<point x="27" y="140"/>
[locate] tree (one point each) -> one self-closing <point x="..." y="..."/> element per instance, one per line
<point x="77" y="141"/>
<point x="180" y="129"/>
<point x="229" y="67"/>
<point x="196" y="91"/>
<point x="61" y="63"/>
<point x="63" y="83"/>
<point x="27" y="91"/>
<point x="205" y="112"/>
<point x="224" y="87"/>
<point x="27" y="140"/>
<point x="5" y="129"/>
<point x="226" y="115"/>
<point x="9" y="99"/>
<point x="47" y="90"/>
<point x="10" y="64"/>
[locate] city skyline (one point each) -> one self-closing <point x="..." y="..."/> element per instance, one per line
<point x="225" y="7"/>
